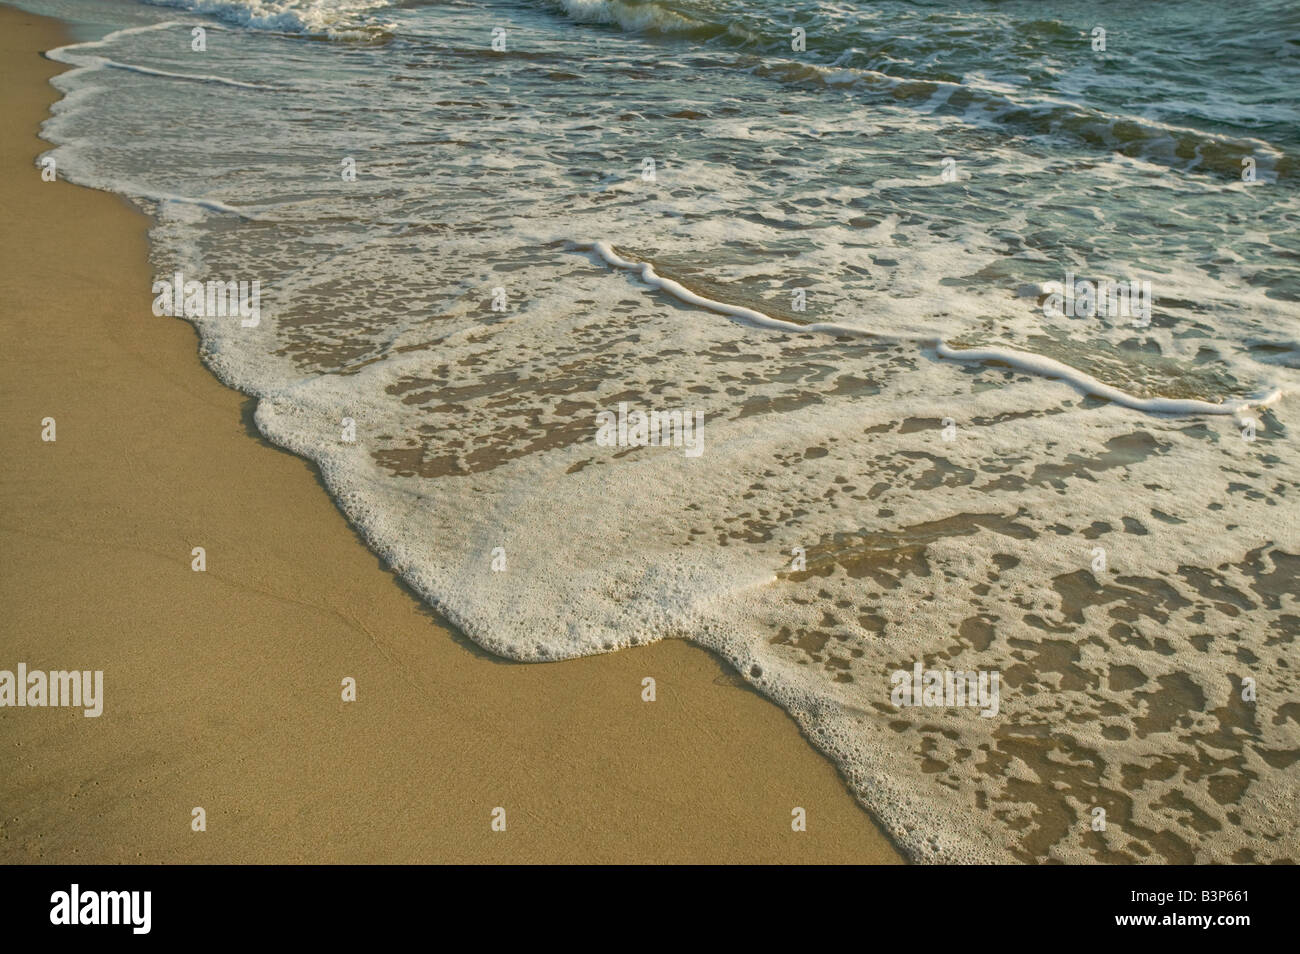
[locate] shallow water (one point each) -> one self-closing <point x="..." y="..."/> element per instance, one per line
<point x="946" y="512"/>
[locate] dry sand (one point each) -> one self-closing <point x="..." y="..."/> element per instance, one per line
<point x="223" y="688"/>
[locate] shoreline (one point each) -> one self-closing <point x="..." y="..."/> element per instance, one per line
<point x="222" y="688"/>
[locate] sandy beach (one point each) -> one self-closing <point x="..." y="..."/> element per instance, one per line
<point x="222" y="688"/>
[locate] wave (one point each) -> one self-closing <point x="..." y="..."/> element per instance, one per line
<point x="331" y="19"/>
<point x="652" y="18"/>
<point x="1032" y="112"/>
<point x="1136" y="136"/>
<point x="1021" y="360"/>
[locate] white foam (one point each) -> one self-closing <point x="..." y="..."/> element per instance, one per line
<point x="629" y="16"/>
<point x="192" y="77"/>
<point x="1024" y="361"/>
<point x="71" y="55"/>
<point x="335" y="19"/>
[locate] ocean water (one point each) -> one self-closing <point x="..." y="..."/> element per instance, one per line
<point x="840" y="259"/>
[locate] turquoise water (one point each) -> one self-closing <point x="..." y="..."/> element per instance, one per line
<point x="840" y="222"/>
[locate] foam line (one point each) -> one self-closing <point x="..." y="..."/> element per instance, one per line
<point x="1021" y="360"/>
<point x="64" y="54"/>
<point x="747" y="315"/>
<point x="110" y="37"/>
<point x="212" y="205"/>
<point x="192" y="77"/>
<point x="1050" y="368"/>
